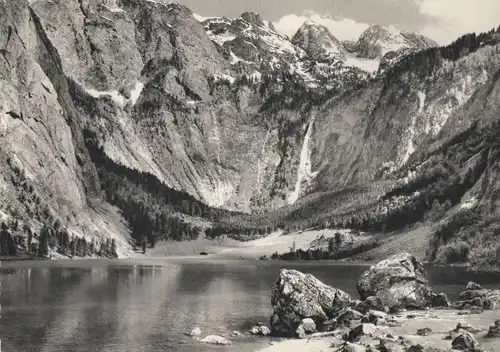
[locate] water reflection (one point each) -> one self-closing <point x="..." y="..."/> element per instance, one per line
<point x="116" y="306"/>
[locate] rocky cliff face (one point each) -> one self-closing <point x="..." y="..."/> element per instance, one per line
<point x="46" y="174"/>
<point x="227" y="110"/>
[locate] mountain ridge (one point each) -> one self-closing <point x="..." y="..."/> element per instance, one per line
<point x="218" y="113"/>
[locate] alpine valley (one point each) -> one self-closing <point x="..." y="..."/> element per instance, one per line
<point x="122" y="120"/>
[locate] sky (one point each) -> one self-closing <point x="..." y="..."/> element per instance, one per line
<point x="441" y="20"/>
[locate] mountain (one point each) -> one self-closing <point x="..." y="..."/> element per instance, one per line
<point x="377" y="41"/>
<point x="125" y="120"/>
<point x="317" y="41"/>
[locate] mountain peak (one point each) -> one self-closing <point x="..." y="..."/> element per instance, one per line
<point x="253" y="18"/>
<point x="377" y="40"/>
<point x="318" y="41"/>
<point x="309" y="23"/>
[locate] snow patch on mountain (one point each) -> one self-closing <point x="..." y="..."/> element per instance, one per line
<point x="469" y="203"/>
<point x="224" y="77"/>
<point x="116" y="96"/>
<point x="367" y="65"/>
<point x="200" y="18"/>
<point x="135" y="93"/>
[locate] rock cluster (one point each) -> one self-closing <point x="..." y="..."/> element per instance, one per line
<point x="475" y="296"/>
<point x="304" y="305"/>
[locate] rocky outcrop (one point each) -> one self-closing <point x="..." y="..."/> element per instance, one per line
<point x="399" y="281"/>
<point x="297" y="296"/>
<point x="476" y="296"/>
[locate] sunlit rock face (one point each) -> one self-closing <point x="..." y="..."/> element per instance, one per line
<point x="226" y="109"/>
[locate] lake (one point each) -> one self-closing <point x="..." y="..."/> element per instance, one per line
<point x="148" y="304"/>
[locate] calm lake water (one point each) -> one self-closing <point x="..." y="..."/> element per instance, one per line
<point x="148" y="305"/>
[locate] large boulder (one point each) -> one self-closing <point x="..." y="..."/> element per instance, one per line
<point x="297" y="296"/>
<point x="399" y="281"/>
<point x="475" y="296"/>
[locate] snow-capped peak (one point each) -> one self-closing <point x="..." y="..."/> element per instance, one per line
<point x="376" y="41"/>
<point x="318" y="42"/>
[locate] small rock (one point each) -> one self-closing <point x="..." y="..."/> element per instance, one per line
<point x="330" y="325"/>
<point x="424" y="332"/>
<point x="347" y="315"/>
<point x="375" y="303"/>
<point x="236" y="334"/>
<point x="254" y="330"/>
<point x="361" y="307"/>
<point x="494" y="331"/>
<point x="309" y="325"/>
<point x="353" y="347"/>
<point x="216" y="340"/>
<point x="361" y="330"/>
<point x="464" y="341"/>
<point x="301" y="333"/>
<point x="471" y="286"/>
<point x="194" y="332"/>
<point x="440" y="300"/>
<point x="415" y="348"/>
<point x="264" y="330"/>
<point x="390" y="346"/>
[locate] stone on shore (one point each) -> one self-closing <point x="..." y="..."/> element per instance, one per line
<point x="353" y="347"/>
<point x="424" y="332"/>
<point x="464" y="341"/>
<point x="399" y="282"/>
<point x="494" y="331"/>
<point x="297" y="296"/>
<point x="215" y="340"/>
<point x="195" y="332"/>
<point x="365" y="329"/>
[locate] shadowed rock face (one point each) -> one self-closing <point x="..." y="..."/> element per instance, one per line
<point x="297" y="296"/>
<point x="399" y="281"/>
<point x="221" y="109"/>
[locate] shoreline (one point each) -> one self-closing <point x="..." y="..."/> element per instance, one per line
<point x="439" y="321"/>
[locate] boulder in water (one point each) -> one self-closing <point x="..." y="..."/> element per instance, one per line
<point x="399" y="282"/>
<point x="297" y="296"/>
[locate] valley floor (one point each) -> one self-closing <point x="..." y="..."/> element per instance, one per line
<point x="414" y="240"/>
